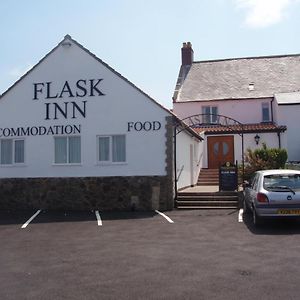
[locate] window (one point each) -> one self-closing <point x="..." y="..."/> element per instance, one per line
<point x="112" y="149"/>
<point x="12" y="152"/>
<point x="210" y="114"/>
<point x="265" y="112"/>
<point x="67" y="150"/>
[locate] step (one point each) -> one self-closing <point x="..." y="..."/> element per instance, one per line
<point x="208" y="180"/>
<point x="206" y="207"/>
<point x="208" y="183"/>
<point x="207" y="198"/>
<point x="208" y="194"/>
<point x="207" y="203"/>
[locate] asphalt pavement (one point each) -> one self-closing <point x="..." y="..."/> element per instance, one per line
<point x="203" y="254"/>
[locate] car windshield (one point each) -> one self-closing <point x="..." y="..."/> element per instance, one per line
<point x="280" y="182"/>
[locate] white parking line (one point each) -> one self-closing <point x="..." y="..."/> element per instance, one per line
<point x="163" y="215"/>
<point x="26" y="224"/>
<point x="241" y="215"/>
<point x="98" y="218"/>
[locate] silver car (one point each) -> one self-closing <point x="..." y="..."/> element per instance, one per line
<point x="273" y="193"/>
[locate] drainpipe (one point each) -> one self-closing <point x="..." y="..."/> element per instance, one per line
<point x="279" y="139"/>
<point x="175" y="167"/>
<point x="272" y="117"/>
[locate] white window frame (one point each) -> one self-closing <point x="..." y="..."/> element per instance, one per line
<point x="13" y="163"/>
<point x="68" y="158"/>
<point x="110" y="155"/>
<point x="265" y="105"/>
<point x="210" y="107"/>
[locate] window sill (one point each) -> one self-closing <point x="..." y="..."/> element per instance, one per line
<point x="67" y="165"/>
<point x="101" y="164"/>
<point x="13" y="166"/>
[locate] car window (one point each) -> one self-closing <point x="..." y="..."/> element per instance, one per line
<point x="254" y="182"/>
<point x="274" y="181"/>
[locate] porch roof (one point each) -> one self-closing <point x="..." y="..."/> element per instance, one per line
<point x="245" y="128"/>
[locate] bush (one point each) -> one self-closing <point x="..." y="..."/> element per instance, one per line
<point x="263" y="159"/>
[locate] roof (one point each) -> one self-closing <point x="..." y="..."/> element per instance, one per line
<point x="230" y="78"/>
<point x="246" y="128"/>
<point x="288" y="98"/>
<point x="278" y="171"/>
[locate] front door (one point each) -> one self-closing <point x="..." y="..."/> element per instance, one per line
<point x="220" y="150"/>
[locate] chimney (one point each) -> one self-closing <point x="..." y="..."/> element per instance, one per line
<point x="187" y="54"/>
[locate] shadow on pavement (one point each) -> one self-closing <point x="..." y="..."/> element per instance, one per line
<point x="46" y="216"/>
<point x="278" y="226"/>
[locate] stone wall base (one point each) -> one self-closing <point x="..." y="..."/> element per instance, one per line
<point x="87" y="193"/>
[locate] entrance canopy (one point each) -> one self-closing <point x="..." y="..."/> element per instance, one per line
<point x="208" y="121"/>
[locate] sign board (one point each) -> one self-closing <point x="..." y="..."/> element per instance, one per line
<point x="228" y="177"/>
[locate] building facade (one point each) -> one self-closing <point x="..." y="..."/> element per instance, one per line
<point x="238" y="104"/>
<point x="75" y="134"/>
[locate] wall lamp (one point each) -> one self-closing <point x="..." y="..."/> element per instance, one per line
<point x="257" y="138"/>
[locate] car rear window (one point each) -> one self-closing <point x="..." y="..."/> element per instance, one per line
<point x="291" y="181"/>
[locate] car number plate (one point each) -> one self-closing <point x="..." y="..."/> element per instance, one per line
<point x="288" y="211"/>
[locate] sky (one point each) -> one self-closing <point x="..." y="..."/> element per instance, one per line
<point x="141" y="39"/>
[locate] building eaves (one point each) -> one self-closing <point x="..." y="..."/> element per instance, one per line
<point x="238" y="129"/>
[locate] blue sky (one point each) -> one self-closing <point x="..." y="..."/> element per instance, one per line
<point x="142" y="39"/>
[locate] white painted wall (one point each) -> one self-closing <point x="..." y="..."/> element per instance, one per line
<point x="244" y="111"/>
<point x="105" y="115"/>
<point x="188" y="167"/>
<point x="270" y="139"/>
<point x="289" y="115"/>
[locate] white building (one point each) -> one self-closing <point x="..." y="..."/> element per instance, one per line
<point x="256" y="97"/>
<point x="75" y="134"/>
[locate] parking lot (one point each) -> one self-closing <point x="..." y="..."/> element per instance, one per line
<point x="203" y="254"/>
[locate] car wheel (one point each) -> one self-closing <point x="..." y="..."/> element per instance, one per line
<point x="256" y="218"/>
<point x="246" y="208"/>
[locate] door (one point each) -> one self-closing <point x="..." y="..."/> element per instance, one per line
<point x="220" y="150"/>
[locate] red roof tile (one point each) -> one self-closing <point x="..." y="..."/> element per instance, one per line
<point x="246" y="128"/>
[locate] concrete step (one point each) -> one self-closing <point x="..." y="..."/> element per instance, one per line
<point x="222" y="193"/>
<point x="206" y="207"/>
<point x="207" y="198"/>
<point x="206" y="203"/>
<point x="208" y="177"/>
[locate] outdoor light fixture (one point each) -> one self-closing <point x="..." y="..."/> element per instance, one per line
<point x="257" y="138"/>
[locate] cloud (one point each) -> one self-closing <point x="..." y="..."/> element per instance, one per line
<point x="264" y="13"/>
<point x="19" y="71"/>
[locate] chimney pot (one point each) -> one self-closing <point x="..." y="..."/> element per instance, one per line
<point x="187" y="54"/>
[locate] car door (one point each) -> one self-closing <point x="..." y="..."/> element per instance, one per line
<point x="251" y="191"/>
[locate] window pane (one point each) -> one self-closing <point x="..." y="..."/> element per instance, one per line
<point x="104" y="148"/>
<point x="225" y="148"/>
<point x="60" y="150"/>
<point x="118" y="148"/>
<point x="6" y="152"/>
<point x="74" y="150"/>
<point x="19" y="151"/>
<point x="206" y="111"/>
<point x="265" y="112"/>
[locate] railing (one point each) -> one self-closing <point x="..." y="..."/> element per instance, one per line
<point x="179" y="173"/>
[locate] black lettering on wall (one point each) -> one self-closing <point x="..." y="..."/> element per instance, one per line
<point x="37" y="89"/>
<point x="81" y="85"/>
